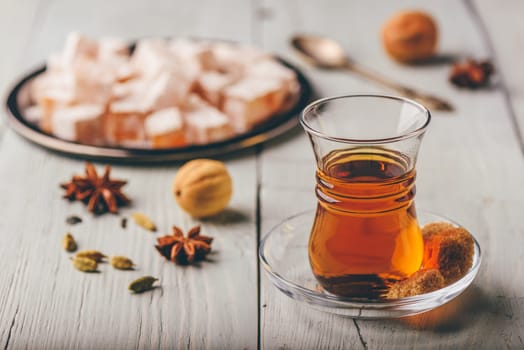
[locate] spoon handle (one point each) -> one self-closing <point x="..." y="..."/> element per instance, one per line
<point x="429" y="101"/>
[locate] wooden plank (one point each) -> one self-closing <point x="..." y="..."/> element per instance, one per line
<point x="284" y="323"/>
<point x="18" y="18"/>
<point x="502" y="25"/>
<point x="44" y="302"/>
<point x="470" y="169"/>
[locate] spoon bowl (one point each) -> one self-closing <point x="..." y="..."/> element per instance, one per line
<point x="320" y="51"/>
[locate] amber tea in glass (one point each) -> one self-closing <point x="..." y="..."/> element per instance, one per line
<point x="365" y="234"/>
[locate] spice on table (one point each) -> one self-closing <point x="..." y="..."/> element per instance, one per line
<point x="85" y="264"/>
<point x="471" y="74"/>
<point x="142" y="284"/>
<point x="123" y="222"/>
<point x="121" y="263"/>
<point x="144" y="222"/>
<point x="101" y="194"/>
<point x="69" y="243"/>
<point x="73" y="220"/>
<point x="91" y="254"/>
<point x="184" y="250"/>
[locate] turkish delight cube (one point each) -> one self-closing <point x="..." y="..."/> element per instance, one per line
<point x="81" y="123"/>
<point x="272" y="69"/>
<point x="250" y="101"/>
<point x="165" y="128"/>
<point x="168" y="89"/>
<point x="204" y="123"/>
<point x="212" y="84"/>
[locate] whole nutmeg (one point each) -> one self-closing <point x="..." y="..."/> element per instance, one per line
<point x="203" y="187"/>
<point x="410" y="36"/>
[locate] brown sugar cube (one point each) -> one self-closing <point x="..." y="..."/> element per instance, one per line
<point x="434" y="227"/>
<point x="449" y="249"/>
<point x="422" y="281"/>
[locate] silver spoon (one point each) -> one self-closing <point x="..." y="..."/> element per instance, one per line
<point x="328" y="54"/>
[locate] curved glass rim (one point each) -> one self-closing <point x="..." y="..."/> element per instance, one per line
<point x="350" y="302"/>
<point x="308" y="128"/>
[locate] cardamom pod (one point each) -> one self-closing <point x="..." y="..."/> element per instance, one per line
<point x="143" y="221"/>
<point x="85" y="264"/>
<point x="69" y="243"/>
<point x="142" y="284"/>
<point x="121" y="263"/>
<point x="91" y="254"/>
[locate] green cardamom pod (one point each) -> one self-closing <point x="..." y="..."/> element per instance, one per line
<point x="144" y="222"/>
<point x="85" y="264"/>
<point x="91" y="254"/>
<point x="142" y="284"/>
<point x="121" y="263"/>
<point x="69" y="243"/>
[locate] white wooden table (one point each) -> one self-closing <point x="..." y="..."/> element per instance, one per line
<point x="470" y="168"/>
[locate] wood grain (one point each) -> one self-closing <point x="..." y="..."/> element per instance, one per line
<point x="44" y="302"/>
<point x="22" y="18"/>
<point x="502" y="26"/>
<point x="470" y="168"/>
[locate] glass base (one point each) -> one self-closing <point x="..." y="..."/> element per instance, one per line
<point x="284" y="256"/>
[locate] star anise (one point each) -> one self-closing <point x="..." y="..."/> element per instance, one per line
<point x="184" y="250"/>
<point x="101" y="194"/>
<point x="471" y="74"/>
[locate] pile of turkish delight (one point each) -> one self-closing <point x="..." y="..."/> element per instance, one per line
<point x="167" y="93"/>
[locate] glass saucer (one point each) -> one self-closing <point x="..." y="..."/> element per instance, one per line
<point x="284" y="255"/>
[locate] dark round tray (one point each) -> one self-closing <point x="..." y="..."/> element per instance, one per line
<point x="18" y="99"/>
